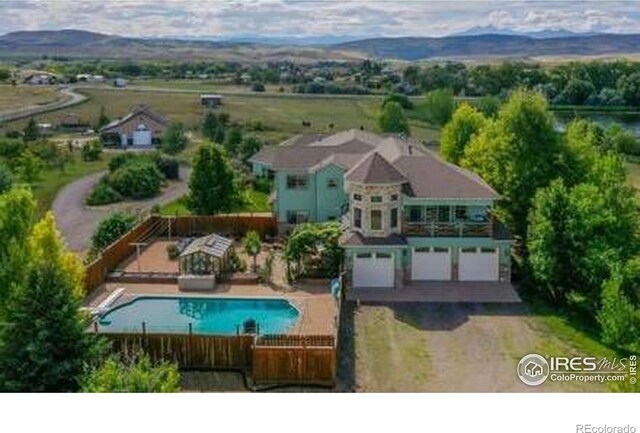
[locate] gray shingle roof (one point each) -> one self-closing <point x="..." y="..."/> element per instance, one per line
<point x="375" y="169"/>
<point x="429" y="176"/>
<point x="136" y="110"/>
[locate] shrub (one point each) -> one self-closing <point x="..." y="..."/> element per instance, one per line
<point x="173" y="252"/>
<point x="137" y="375"/>
<point x="137" y="181"/>
<point x="174" y="139"/>
<point x="168" y="166"/>
<point x="257" y="87"/>
<point x="122" y="159"/>
<point x="11" y="148"/>
<point x="103" y="194"/>
<point x="91" y="150"/>
<point x="110" y="229"/>
<point x="618" y="318"/>
<point x="6" y="178"/>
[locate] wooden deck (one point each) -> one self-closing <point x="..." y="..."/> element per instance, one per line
<point x="439" y="291"/>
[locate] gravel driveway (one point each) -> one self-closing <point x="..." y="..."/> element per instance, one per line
<point x="77" y="221"/>
<point x="431" y="347"/>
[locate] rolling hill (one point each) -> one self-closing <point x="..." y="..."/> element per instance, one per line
<point x="83" y="44"/>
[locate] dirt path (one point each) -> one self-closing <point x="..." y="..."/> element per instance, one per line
<point x="77" y="221"/>
<point x="444" y="348"/>
<point x="68" y="99"/>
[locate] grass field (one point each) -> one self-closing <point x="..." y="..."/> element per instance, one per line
<point x="208" y="86"/>
<point x="53" y="180"/>
<point x="12" y="98"/>
<point x="282" y="115"/>
<point x="255" y="201"/>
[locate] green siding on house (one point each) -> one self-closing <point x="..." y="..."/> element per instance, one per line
<point x="329" y="199"/>
<point x="259" y="169"/>
<point x="318" y="199"/>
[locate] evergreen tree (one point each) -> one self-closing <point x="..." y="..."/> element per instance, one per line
<point x="31" y="131"/>
<point x="103" y="119"/>
<point x="212" y="186"/>
<point x="45" y="347"/>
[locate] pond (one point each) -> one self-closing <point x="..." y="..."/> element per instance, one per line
<point x="629" y="120"/>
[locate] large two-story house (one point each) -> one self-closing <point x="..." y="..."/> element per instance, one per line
<point x="407" y="215"/>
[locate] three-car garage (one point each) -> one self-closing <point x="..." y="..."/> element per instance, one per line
<point x="377" y="269"/>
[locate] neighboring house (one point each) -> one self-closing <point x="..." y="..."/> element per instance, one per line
<point x="41" y="78"/>
<point x="141" y="127"/>
<point x="120" y="82"/>
<point x="406" y="214"/>
<point x="210" y="100"/>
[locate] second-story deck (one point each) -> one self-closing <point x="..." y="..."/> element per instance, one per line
<point x="463" y="229"/>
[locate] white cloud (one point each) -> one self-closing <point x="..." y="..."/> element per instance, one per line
<point x="298" y="18"/>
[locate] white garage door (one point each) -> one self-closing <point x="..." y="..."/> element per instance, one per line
<point x="478" y="264"/>
<point x="142" y="138"/>
<point x="373" y="270"/>
<point x="431" y="264"/>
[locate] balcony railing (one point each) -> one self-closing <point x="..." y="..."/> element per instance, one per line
<point x="462" y="229"/>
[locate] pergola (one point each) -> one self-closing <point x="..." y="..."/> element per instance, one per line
<point x="207" y="255"/>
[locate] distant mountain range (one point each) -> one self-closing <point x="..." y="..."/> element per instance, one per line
<point x="540" y="34"/>
<point x="83" y="44"/>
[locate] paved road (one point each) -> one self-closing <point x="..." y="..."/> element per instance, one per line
<point x="77" y="221"/>
<point x="69" y="98"/>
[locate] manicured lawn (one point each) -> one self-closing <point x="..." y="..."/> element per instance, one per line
<point x="255" y="201"/>
<point x="19" y="96"/>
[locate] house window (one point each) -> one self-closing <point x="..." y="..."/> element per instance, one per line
<point x="394" y="217"/>
<point x="461" y="213"/>
<point x="332" y="183"/>
<point x="431" y="213"/>
<point x="357" y="197"/>
<point x="295" y="181"/>
<point x="468" y="250"/>
<point x="357" y="217"/>
<point x="383" y="255"/>
<point x="415" y="214"/>
<point x="376" y="199"/>
<point x="487" y="250"/>
<point x="376" y="219"/>
<point x="394" y="197"/>
<point x="364" y="255"/>
<point x="443" y="214"/>
<point x="297" y="216"/>
<point x="440" y="250"/>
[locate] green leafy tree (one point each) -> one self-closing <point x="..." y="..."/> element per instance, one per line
<point x="465" y="123"/>
<point x="103" y="119"/>
<point x="249" y="146"/>
<point x="6" y="178"/>
<point x="392" y="119"/>
<point x="576" y="92"/>
<point x="618" y="317"/>
<point x="517" y="153"/>
<point x="17" y="211"/>
<point x="5" y="74"/>
<point x="44" y="345"/>
<point x="138" y="375"/>
<point x="401" y="99"/>
<point x="212" y="186"/>
<point x="313" y="249"/>
<point x="252" y="245"/>
<point x="577" y="234"/>
<point x="110" y="229"/>
<point x="213" y="127"/>
<point x="233" y="139"/>
<point x="439" y="106"/>
<point x="175" y="139"/>
<point x="30" y="167"/>
<point x="31" y="132"/>
<point x="629" y="87"/>
<point x="91" y="150"/>
<point x="489" y="105"/>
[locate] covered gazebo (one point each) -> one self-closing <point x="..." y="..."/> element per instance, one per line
<point x="202" y="260"/>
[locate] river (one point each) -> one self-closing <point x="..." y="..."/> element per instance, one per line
<point x="630" y="120"/>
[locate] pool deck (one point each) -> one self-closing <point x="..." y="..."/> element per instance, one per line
<point x="314" y="301"/>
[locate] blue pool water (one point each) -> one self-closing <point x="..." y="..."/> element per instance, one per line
<point x="219" y="316"/>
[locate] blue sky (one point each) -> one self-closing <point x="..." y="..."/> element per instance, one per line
<point x="275" y="18"/>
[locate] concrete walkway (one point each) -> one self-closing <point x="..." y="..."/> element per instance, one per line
<point x="439" y="291"/>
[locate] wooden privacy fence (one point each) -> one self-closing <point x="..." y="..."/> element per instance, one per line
<point x="189" y="351"/>
<point x="273" y="359"/>
<point x="189" y="225"/>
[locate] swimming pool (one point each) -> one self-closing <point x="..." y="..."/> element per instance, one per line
<point x="213" y="316"/>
